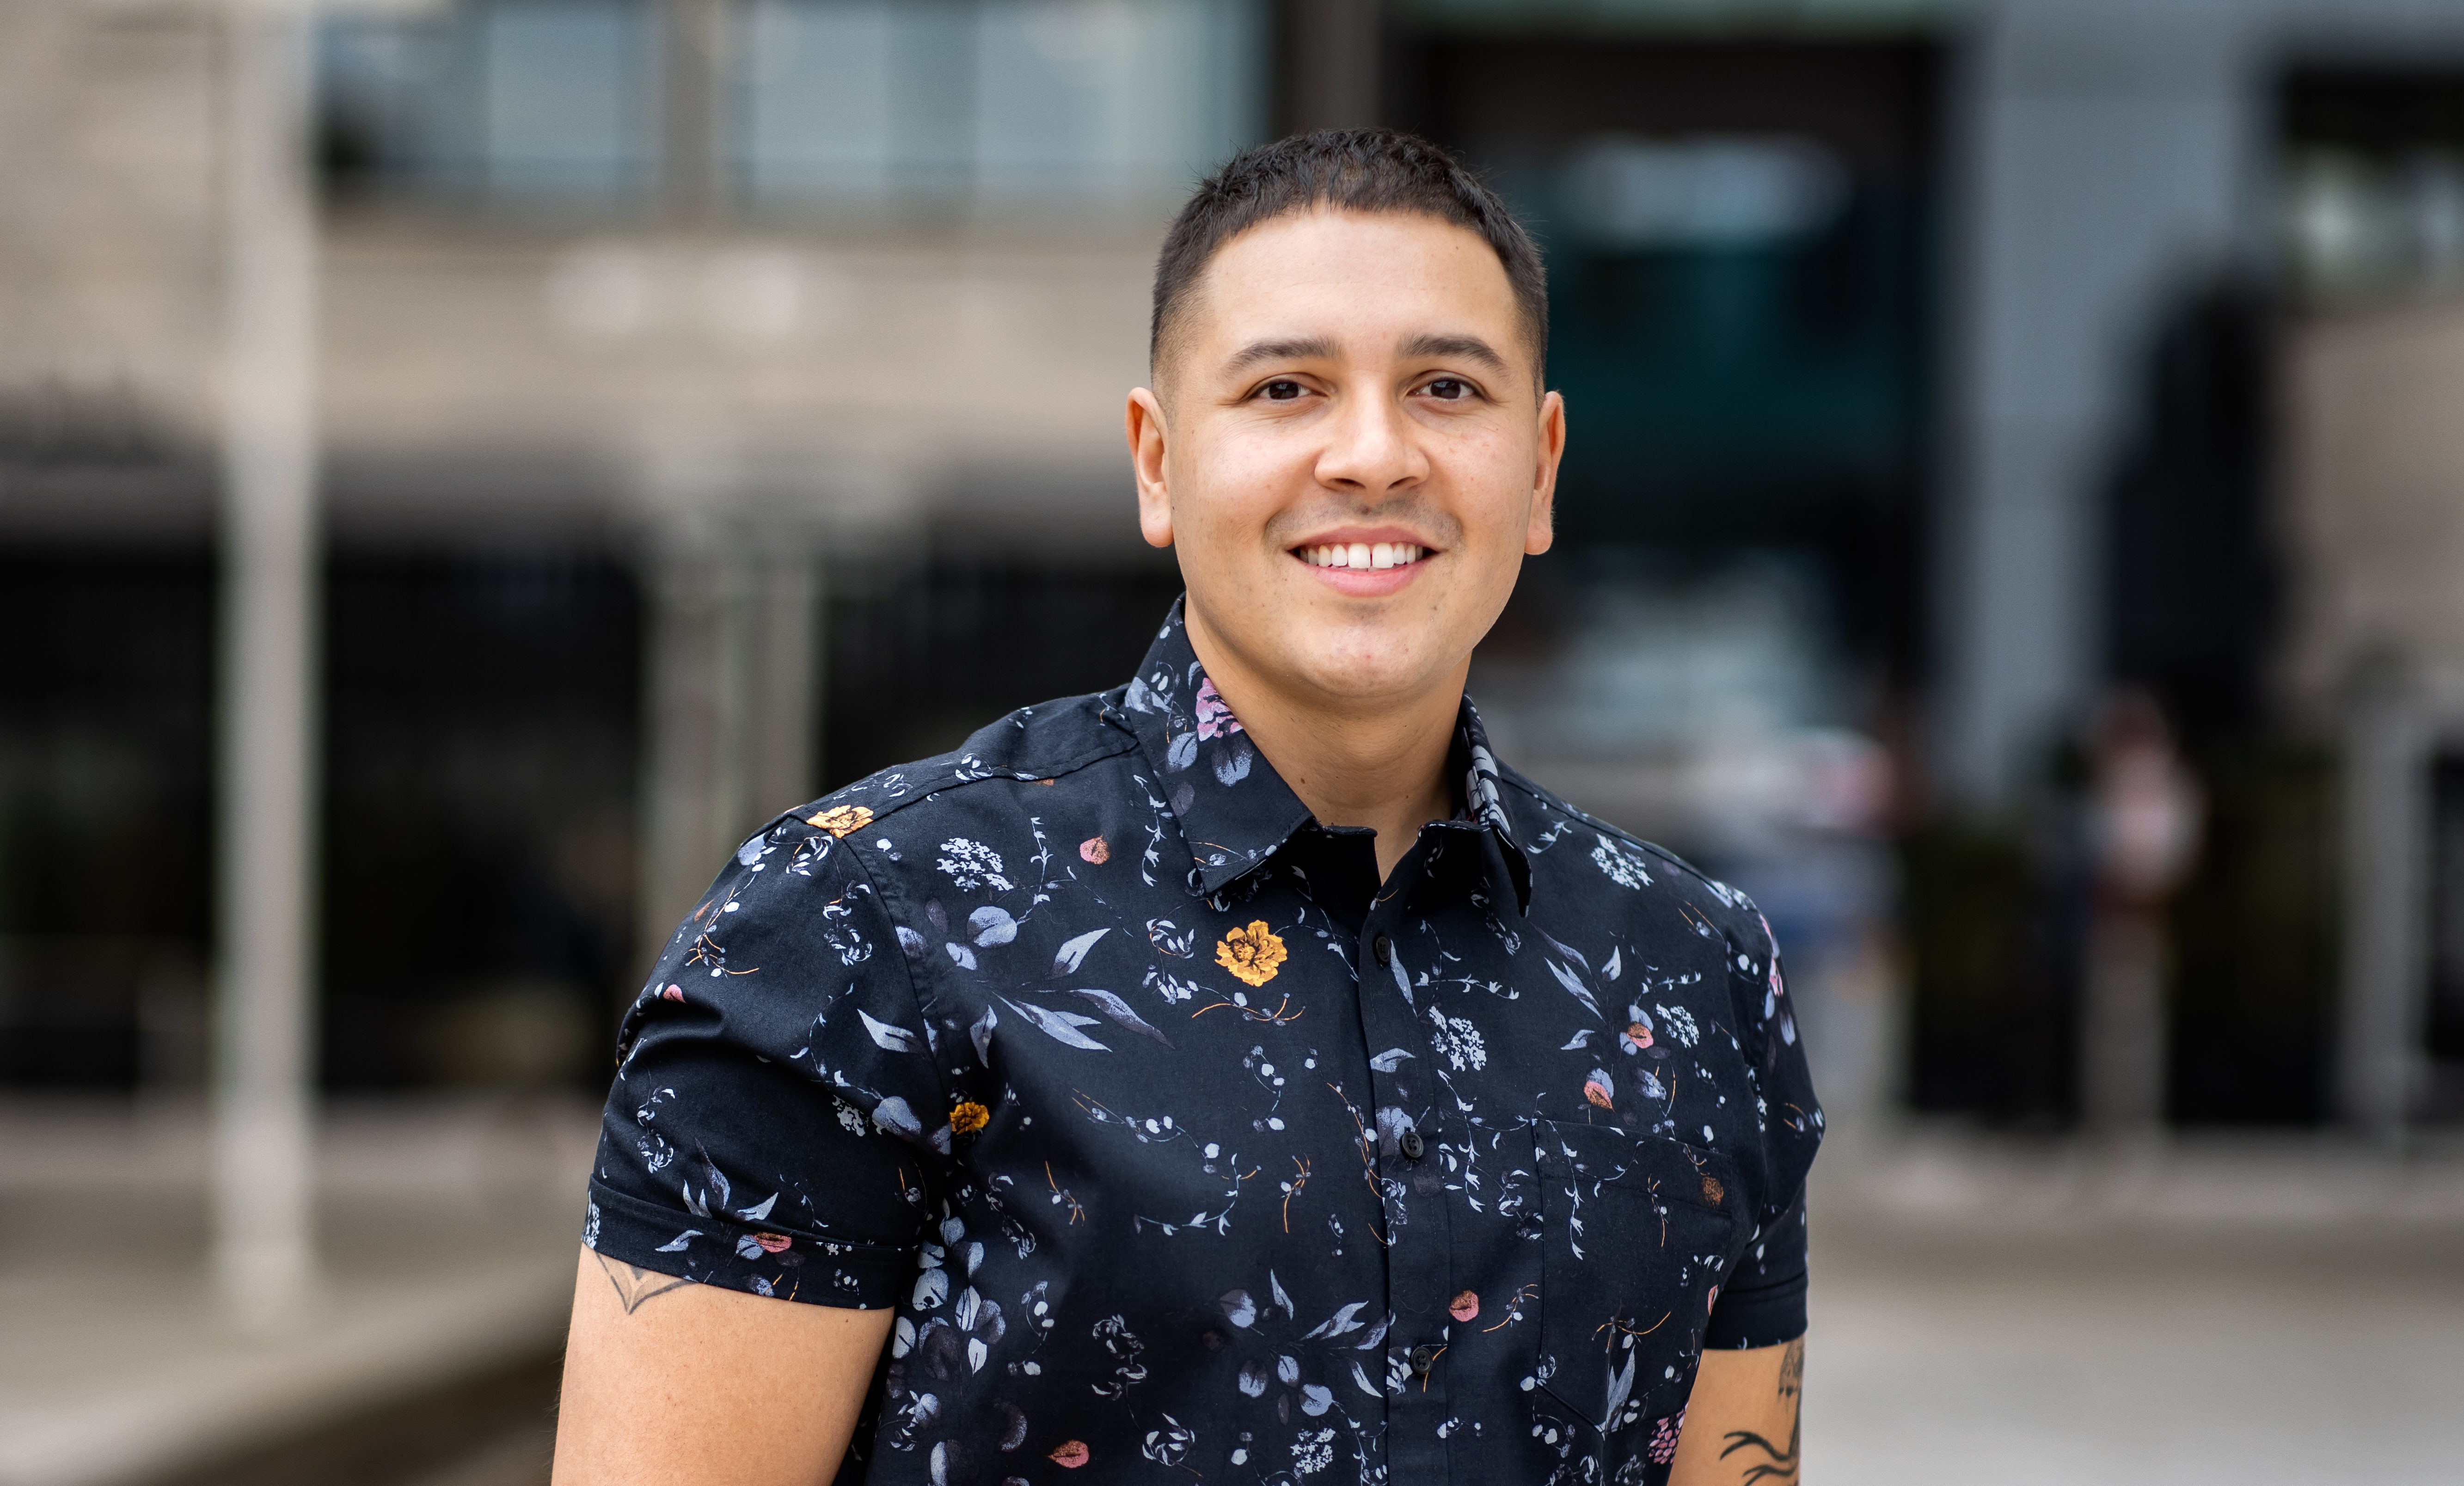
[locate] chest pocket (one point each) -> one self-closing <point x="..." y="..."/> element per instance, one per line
<point x="1637" y="1235"/>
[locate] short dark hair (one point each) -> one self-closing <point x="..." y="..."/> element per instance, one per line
<point x="1376" y="170"/>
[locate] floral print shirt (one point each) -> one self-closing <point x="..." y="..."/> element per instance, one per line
<point x="1180" y="1143"/>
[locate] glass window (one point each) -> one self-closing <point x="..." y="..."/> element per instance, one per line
<point x="823" y="107"/>
<point x="848" y="103"/>
<point x="544" y="102"/>
<point x="855" y="101"/>
<point x="567" y="97"/>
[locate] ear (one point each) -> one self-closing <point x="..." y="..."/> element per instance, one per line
<point x="1147" y="438"/>
<point x="1542" y="529"/>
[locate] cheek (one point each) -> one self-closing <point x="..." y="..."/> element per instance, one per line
<point x="1492" y="470"/>
<point x="1232" y="485"/>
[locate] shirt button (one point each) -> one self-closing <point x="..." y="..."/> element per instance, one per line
<point x="1383" y="948"/>
<point x="1413" y="1146"/>
<point x="1424" y="1359"/>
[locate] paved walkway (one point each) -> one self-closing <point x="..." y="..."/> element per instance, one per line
<point x="2249" y="1312"/>
<point x="2252" y="1312"/>
<point x="447" y="1234"/>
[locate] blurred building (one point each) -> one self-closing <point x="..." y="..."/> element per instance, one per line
<point x="719" y="399"/>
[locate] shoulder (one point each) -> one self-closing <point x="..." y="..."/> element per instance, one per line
<point x="1562" y="835"/>
<point x="1004" y="773"/>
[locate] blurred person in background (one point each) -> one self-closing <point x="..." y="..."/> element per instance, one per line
<point x="1239" y="1070"/>
<point x="2143" y="818"/>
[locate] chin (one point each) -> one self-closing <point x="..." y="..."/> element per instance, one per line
<point x="1363" y="668"/>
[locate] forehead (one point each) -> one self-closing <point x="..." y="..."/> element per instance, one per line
<point x="1355" y="276"/>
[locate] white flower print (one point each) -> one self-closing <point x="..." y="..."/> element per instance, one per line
<point x="1313" y="1452"/>
<point x="972" y="864"/>
<point x="1680" y="1023"/>
<point x="1459" y="1040"/>
<point x="1169" y="1445"/>
<point x="1625" y="867"/>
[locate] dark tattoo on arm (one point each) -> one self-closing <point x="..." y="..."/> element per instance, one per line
<point x="635" y="1286"/>
<point x="1777" y="1467"/>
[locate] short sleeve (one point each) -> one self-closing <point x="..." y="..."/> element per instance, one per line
<point x="777" y="1123"/>
<point x="1763" y="1301"/>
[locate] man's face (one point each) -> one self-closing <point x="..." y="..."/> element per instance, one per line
<point x="1350" y="453"/>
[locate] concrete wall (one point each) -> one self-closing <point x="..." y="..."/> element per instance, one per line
<point x="110" y="286"/>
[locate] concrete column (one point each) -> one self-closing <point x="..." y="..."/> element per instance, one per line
<point x="693" y="49"/>
<point x="2109" y="148"/>
<point x="2386" y="805"/>
<point x="735" y="679"/>
<point x="265" y="1011"/>
<point x="1330" y="59"/>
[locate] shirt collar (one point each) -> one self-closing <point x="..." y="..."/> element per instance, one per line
<point x="1234" y="811"/>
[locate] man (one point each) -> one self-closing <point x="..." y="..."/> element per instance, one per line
<point x="1238" y="1075"/>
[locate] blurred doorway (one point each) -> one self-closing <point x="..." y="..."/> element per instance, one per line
<point x="1719" y="651"/>
<point x="1739" y="239"/>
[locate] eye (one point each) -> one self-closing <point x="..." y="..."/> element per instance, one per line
<point x="1281" y="389"/>
<point x="1449" y="389"/>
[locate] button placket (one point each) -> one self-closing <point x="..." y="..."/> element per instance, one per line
<point x="1419" y="1256"/>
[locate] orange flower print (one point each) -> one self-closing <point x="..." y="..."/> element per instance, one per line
<point x="839" y="819"/>
<point x="967" y="1116"/>
<point x="1714" y="1191"/>
<point x="1597" y="1089"/>
<point x="1253" y="955"/>
<point x="1070" y="1453"/>
<point x="1465" y="1307"/>
<point x="774" y="1243"/>
<point x="1094" y="849"/>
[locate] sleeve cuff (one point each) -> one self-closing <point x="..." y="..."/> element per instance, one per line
<point x="1763" y="1316"/>
<point x="778" y="1261"/>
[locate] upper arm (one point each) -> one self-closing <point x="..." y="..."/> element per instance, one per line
<point x="1741" y="1424"/>
<point x="682" y="1384"/>
<point x="776" y="1137"/>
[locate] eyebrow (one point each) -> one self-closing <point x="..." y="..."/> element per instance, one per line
<point x="1298" y="349"/>
<point x="1468" y="347"/>
<point x="1319" y="348"/>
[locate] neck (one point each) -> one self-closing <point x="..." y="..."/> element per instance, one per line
<point x="1379" y="763"/>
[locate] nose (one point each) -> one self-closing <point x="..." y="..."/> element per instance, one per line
<point x="1371" y="450"/>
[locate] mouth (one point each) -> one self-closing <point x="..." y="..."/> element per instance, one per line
<point x="1363" y="555"/>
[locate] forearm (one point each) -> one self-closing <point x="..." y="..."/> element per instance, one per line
<point x="1742" y="1422"/>
<point x="680" y="1384"/>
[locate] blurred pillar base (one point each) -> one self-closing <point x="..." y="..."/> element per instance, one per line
<point x="734" y="693"/>
<point x="265" y="1259"/>
<point x="2386" y="803"/>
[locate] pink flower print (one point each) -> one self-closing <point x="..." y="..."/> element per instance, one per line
<point x="1662" y="1448"/>
<point x="1215" y="719"/>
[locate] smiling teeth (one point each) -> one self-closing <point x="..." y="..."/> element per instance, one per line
<point x="1363" y="554"/>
